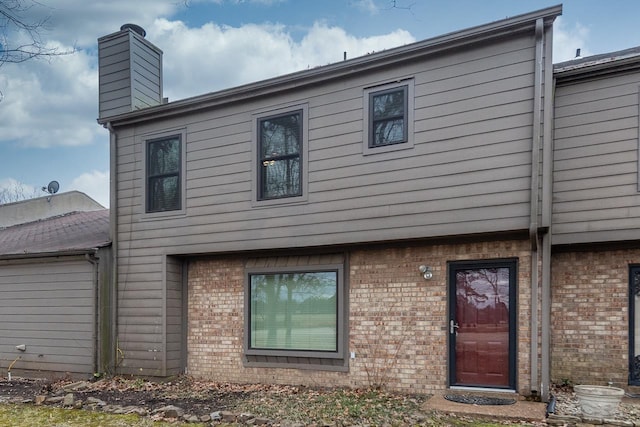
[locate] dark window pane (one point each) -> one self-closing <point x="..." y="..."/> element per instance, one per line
<point x="294" y="311"/>
<point x="280" y="136"/>
<point x="165" y="193"/>
<point x="279" y="149"/>
<point x="388" y="132"/>
<point x="163" y="174"/>
<point x="389" y="104"/>
<point x="164" y="156"/>
<point x="281" y="178"/>
<point x="388" y="117"/>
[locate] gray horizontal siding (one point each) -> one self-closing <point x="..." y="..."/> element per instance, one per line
<point x="114" y="75"/>
<point x="490" y="130"/>
<point x="469" y="172"/>
<point x="130" y="75"/>
<point x="145" y="72"/>
<point x="50" y="307"/>
<point x="596" y="160"/>
<point x="174" y="316"/>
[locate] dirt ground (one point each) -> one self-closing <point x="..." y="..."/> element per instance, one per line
<point x="194" y="397"/>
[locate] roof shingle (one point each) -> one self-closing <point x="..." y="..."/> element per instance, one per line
<point x="71" y="232"/>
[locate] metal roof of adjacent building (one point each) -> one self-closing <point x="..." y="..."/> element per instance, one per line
<point x="69" y="233"/>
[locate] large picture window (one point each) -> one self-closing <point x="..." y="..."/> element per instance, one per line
<point x="295" y="311"/>
<point x="279" y="156"/>
<point x="164" y="160"/>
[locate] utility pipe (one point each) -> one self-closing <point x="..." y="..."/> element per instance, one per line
<point x="113" y="234"/>
<point x="533" y="221"/>
<point x="11" y="366"/>
<point x="93" y="260"/>
<point x="547" y="198"/>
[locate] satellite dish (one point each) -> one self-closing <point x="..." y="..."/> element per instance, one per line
<point x="53" y="187"/>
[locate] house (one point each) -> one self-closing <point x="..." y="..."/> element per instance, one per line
<point x="595" y="263"/>
<point x="55" y="289"/>
<point x="453" y="213"/>
<point x="46" y="207"/>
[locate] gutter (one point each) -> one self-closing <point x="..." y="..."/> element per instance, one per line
<point x="73" y="252"/>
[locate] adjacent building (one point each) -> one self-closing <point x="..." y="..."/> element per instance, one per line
<point x="56" y="303"/>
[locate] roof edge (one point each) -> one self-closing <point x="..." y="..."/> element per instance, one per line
<point x="598" y="64"/>
<point x="71" y="252"/>
<point x="347" y="67"/>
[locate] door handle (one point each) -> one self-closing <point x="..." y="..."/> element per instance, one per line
<point x="453" y="327"/>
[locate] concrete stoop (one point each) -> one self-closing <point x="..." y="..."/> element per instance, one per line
<point x="521" y="410"/>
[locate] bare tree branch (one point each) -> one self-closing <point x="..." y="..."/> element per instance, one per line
<point x="16" y="27"/>
<point x="16" y="193"/>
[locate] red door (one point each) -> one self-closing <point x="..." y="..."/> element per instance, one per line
<point x="481" y="324"/>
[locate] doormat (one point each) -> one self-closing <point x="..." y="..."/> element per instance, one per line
<point x="478" y="400"/>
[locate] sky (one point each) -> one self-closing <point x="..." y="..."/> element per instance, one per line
<point x="48" y="108"/>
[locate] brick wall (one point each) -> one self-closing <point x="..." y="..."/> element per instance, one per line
<point x="590" y="308"/>
<point x="398" y="326"/>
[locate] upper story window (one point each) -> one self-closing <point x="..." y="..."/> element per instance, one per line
<point x="280" y="150"/>
<point x="389" y="117"/>
<point x="164" y="174"/>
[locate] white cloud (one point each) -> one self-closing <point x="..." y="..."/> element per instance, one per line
<point x="50" y="103"/>
<point x="218" y="57"/>
<point x="75" y="23"/>
<point x="95" y="184"/>
<point x="567" y="40"/>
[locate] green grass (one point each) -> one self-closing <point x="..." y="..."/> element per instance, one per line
<point x="12" y="415"/>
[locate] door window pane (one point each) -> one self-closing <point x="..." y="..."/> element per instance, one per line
<point x="634" y="309"/>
